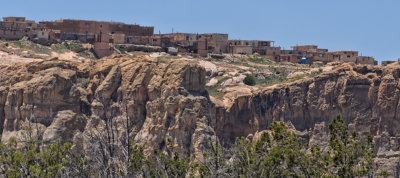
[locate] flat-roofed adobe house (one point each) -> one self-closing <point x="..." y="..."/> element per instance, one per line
<point x="252" y="46"/>
<point x="214" y="43"/>
<point x="15" y="28"/>
<point x="88" y="30"/>
<point x="345" y="56"/>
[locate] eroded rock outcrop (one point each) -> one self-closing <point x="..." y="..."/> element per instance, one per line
<point x="166" y="103"/>
<point x="39" y="98"/>
<point x="366" y="97"/>
<point x="64" y="127"/>
<point x="162" y="101"/>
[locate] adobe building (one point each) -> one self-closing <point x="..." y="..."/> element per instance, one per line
<point x="290" y="56"/>
<point x="306" y="48"/>
<point x="202" y="44"/>
<point x="185" y="42"/>
<point x="366" y="60"/>
<point x="293" y="58"/>
<point x="246" y="50"/>
<point x="214" y="43"/>
<point x="314" y="54"/>
<point x="129" y="29"/>
<point x="266" y="48"/>
<point x="83" y="31"/>
<point x="15" y="28"/>
<point x="118" y="38"/>
<point x="253" y="46"/>
<point x="352" y="56"/>
<point x="182" y="39"/>
<point x="286" y="51"/>
<point x="345" y="56"/>
<point x="87" y="31"/>
<point x="43" y="33"/>
<point x="241" y="46"/>
<point x="102" y="49"/>
<point x="140" y="40"/>
<point x="100" y="33"/>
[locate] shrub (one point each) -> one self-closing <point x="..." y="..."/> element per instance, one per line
<point x="256" y="59"/>
<point x="315" y="73"/>
<point x="298" y="77"/>
<point x="73" y="45"/>
<point x="119" y="48"/>
<point x="249" y="80"/>
<point x="20" y="45"/>
<point x="83" y="82"/>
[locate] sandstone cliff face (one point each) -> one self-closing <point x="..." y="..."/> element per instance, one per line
<point x="367" y="97"/>
<point x="167" y="102"/>
<point x="162" y="101"/>
<point x="42" y="96"/>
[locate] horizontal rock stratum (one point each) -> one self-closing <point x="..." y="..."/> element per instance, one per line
<point x="166" y="103"/>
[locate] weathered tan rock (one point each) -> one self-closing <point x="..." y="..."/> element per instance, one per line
<point x="212" y="82"/>
<point x="212" y="70"/>
<point x="40" y="98"/>
<point x="168" y="101"/>
<point x="109" y="85"/>
<point x="367" y="98"/>
<point x="3" y="99"/>
<point x="64" y="126"/>
<point x="178" y="118"/>
<point x="234" y="81"/>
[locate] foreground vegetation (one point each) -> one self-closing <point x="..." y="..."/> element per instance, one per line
<point x="277" y="152"/>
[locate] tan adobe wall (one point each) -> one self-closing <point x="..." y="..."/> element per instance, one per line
<point x="95" y="27"/>
<point x="140" y="40"/>
<point x="307" y="48"/>
<point x="118" y="38"/>
<point x="365" y="60"/>
<point x="14" y="34"/>
<point x="294" y="58"/>
<point x="267" y="50"/>
<point x="42" y="33"/>
<point x="242" y="50"/>
<point x="102" y="49"/>
<point x="13" y="19"/>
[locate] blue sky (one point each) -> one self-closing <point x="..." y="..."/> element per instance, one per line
<point x="369" y="26"/>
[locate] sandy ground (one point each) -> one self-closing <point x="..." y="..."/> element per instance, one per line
<point x="69" y="56"/>
<point x="7" y="59"/>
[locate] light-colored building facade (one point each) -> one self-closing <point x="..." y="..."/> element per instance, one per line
<point x="15" y="28"/>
